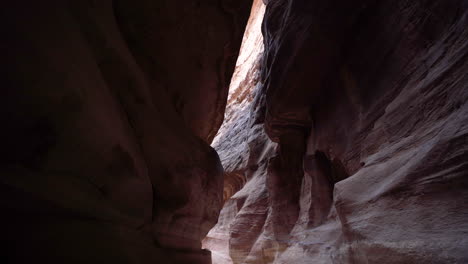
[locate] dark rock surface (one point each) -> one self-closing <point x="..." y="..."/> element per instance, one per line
<point x="345" y="141"/>
<point x="107" y="111"/>
<point x="367" y="102"/>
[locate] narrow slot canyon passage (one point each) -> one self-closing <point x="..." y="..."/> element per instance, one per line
<point x="232" y="142"/>
<point x="318" y="166"/>
<point x="234" y="132"/>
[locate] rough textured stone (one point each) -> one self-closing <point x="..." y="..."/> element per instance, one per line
<point x="345" y="142"/>
<point x="367" y="102"/>
<point x="243" y="147"/>
<point x="232" y="138"/>
<point x="107" y="111"/>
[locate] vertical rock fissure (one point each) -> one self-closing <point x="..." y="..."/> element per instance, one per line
<point x="238" y="154"/>
<point x="230" y="141"/>
<point x="346" y="153"/>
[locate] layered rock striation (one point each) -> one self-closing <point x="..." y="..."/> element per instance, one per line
<point x="360" y="137"/>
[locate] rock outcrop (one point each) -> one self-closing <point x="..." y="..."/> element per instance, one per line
<point x="107" y="112"/>
<point x="345" y="137"/>
<point x="357" y="138"/>
<point x="242" y="147"/>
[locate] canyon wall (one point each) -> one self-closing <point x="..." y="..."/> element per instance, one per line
<point x="107" y="112"/>
<point x="242" y="145"/>
<point x="355" y="144"/>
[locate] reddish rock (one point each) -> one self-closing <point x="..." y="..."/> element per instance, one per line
<point x="345" y="141"/>
<point x="108" y="108"/>
<point x="367" y="102"/>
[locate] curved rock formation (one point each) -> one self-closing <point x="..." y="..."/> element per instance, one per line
<point x="367" y="102"/>
<point x="231" y="139"/>
<point x="345" y="137"/>
<point x="107" y="112"/>
<point x="242" y="149"/>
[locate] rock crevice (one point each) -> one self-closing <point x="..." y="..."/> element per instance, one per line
<point x="362" y="116"/>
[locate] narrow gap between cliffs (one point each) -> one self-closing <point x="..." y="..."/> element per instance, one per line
<point x="230" y="142"/>
<point x="240" y="98"/>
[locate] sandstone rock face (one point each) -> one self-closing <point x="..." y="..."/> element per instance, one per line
<point x="243" y="148"/>
<point x="107" y="111"/>
<point x="367" y="105"/>
<point x="232" y="138"/>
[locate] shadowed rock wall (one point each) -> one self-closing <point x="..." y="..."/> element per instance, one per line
<point x="107" y="111"/>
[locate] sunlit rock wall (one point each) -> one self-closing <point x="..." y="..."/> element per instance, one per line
<point x="367" y="103"/>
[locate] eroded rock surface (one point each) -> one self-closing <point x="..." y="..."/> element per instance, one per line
<point x="367" y="103"/>
<point x="107" y="111"/>
<point x="242" y="147"/>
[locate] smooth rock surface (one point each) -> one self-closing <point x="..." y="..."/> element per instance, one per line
<point x="367" y="103"/>
<point x="107" y="112"/>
